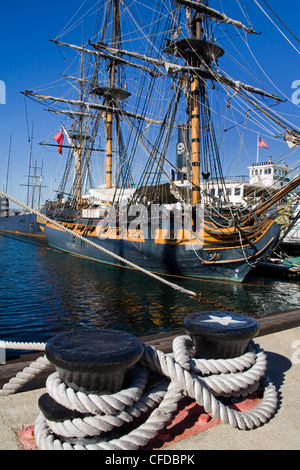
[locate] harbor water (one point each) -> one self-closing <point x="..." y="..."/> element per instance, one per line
<point x="44" y="292"/>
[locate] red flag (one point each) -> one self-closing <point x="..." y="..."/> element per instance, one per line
<point x="262" y="143"/>
<point x="59" y="137"/>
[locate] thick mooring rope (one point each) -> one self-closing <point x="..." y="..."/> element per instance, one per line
<point x="156" y="385"/>
<point x="28" y="373"/>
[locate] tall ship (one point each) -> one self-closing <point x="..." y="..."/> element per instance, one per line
<point x="146" y="90"/>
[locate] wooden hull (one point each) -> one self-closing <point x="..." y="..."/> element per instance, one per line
<point x="205" y="255"/>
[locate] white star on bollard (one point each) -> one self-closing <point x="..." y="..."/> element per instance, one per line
<point x="223" y="321"/>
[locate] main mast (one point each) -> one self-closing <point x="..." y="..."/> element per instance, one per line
<point x="79" y="153"/>
<point x="112" y="85"/>
<point x="195" y="125"/>
<point x="198" y="53"/>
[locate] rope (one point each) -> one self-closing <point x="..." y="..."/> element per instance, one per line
<point x="139" y="437"/>
<point x="23" y="346"/>
<point x="28" y="373"/>
<point x="154" y="388"/>
<point x="196" y="388"/>
<point x="25" y="376"/>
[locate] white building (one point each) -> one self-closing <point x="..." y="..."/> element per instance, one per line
<point x="264" y="179"/>
<point x="269" y="174"/>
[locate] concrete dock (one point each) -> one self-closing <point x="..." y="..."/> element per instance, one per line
<point x="281" y="432"/>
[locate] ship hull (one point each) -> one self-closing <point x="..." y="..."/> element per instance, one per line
<point x="25" y="224"/>
<point x="215" y="261"/>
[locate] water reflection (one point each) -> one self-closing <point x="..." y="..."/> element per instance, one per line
<point x="44" y="292"/>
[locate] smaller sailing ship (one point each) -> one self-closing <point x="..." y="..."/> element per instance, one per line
<point x="14" y="221"/>
<point x="167" y="219"/>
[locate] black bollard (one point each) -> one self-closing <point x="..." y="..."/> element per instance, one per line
<point x="220" y="334"/>
<point x="96" y="360"/>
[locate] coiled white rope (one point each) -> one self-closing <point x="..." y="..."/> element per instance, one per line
<point x="176" y="375"/>
<point x="196" y="387"/>
<point x="139" y="437"/>
<point x="225" y="377"/>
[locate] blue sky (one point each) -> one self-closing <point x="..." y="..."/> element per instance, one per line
<point x="29" y="60"/>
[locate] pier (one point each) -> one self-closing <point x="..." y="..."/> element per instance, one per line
<point x="279" y="336"/>
<point x="271" y="323"/>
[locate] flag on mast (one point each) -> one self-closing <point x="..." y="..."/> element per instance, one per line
<point x="262" y="143"/>
<point x="59" y="138"/>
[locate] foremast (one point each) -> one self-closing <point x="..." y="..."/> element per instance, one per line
<point x="113" y="92"/>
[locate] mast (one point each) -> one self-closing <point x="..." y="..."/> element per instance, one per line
<point x="198" y="53"/>
<point x="8" y="163"/>
<point x="195" y="127"/>
<point x="29" y="164"/>
<point x="109" y="114"/>
<point x="40" y="186"/>
<point x="33" y="184"/>
<point x="79" y="153"/>
<point x="109" y="126"/>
